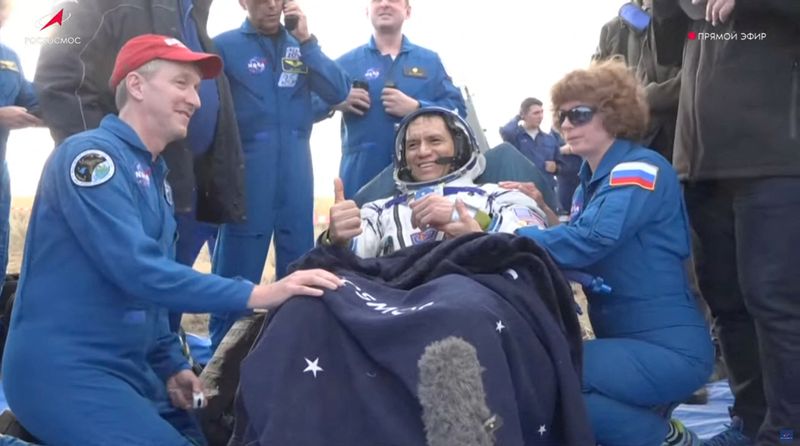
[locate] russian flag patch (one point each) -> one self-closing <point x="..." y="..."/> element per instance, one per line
<point x="634" y="173"/>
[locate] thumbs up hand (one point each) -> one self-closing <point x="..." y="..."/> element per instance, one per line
<point x="338" y="190"/>
<point x="345" y="217"/>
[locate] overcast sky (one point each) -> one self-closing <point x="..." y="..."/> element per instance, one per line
<point x="503" y="51"/>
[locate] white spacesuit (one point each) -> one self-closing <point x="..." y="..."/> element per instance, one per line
<point x="387" y="223"/>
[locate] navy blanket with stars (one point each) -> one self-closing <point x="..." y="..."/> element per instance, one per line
<point x="341" y="370"/>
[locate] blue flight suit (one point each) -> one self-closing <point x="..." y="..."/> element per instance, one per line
<point x="14" y="90"/>
<point x="368" y="141"/>
<point x="653" y="347"/>
<point x="539" y="150"/>
<point x="89" y="349"/>
<point x="567" y="180"/>
<point x="272" y="79"/>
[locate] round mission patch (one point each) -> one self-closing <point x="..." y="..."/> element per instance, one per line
<point x="168" y="193"/>
<point x="91" y="168"/>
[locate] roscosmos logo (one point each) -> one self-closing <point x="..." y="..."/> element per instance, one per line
<point x="57" y="19"/>
<point x="45" y="24"/>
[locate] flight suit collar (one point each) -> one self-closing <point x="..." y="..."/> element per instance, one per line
<point x="405" y="46"/>
<point x="125" y="132"/>
<point x="248" y="28"/>
<point x="615" y="154"/>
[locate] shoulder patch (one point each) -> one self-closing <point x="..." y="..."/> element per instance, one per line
<point x="168" y="194"/>
<point x="422" y="237"/>
<point x="91" y="168"/>
<point x="636" y="173"/>
<point x="9" y="65"/>
<point x="527" y="217"/>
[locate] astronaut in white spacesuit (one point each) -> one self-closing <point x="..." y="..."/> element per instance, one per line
<point x="436" y="161"/>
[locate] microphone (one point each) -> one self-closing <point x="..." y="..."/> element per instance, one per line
<point x="445" y="160"/>
<point x="452" y="396"/>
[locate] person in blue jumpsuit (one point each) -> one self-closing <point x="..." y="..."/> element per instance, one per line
<point x="17" y="100"/>
<point x="90" y="359"/>
<point x="541" y="148"/>
<point x="390" y="78"/>
<point x="272" y="72"/>
<point x="628" y="226"/>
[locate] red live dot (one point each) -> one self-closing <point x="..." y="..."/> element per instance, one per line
<point x="692" y="35"/>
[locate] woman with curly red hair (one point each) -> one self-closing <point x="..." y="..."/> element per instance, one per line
<point x="628" y="225"/>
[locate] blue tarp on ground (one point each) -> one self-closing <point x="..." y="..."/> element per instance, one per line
<point x="708" y="419"/>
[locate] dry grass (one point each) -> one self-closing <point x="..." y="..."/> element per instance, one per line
<point x="194" y="323"/>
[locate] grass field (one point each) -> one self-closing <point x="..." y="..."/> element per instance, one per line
<point x="195" y="323"/>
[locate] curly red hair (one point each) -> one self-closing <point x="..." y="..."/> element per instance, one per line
<point x="610" y="87"/>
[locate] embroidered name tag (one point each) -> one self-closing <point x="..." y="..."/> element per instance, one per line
<point x="415" y="72"/>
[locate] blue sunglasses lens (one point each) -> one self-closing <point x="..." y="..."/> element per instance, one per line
<point x="579" y="115"/>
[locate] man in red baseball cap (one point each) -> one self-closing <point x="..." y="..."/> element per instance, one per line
<point x="90" y="359"/>
<point x="142" y="49"/>
<point x="160" y="76"/>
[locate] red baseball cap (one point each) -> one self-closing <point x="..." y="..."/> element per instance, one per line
<point x="142" y="49"/>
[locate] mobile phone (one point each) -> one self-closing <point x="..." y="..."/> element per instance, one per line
<point x="290" y="21"/>
<point x="361" y="84"/>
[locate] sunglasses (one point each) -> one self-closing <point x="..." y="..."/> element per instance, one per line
<point x="578" y="116"/>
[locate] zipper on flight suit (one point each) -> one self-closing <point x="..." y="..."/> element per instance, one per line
<point x="794" y="103"/>
<point x="399" y="224"/>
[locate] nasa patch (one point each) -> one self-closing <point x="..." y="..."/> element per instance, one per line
<point x="257" y="65"/>
<point x="372" y="73"/>
<point x="91" y="168"/>
<point x="142" y="175"/>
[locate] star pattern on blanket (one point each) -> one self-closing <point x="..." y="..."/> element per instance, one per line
<point x="499" y="326"/>
<point x="313" y="366"/>
<point x="542" y="430"/>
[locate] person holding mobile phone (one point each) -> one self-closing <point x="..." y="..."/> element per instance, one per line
<point x="273" y="72"/>
<point x="401" y="78"/>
